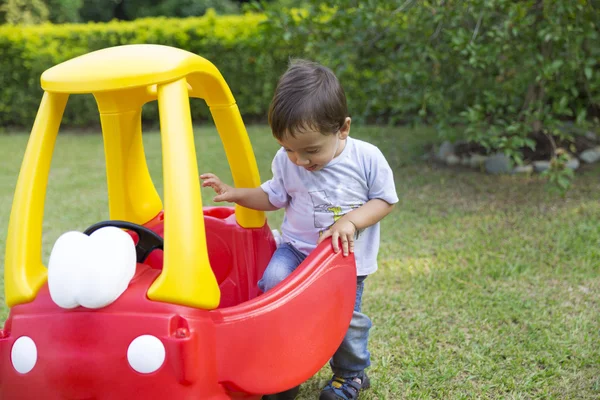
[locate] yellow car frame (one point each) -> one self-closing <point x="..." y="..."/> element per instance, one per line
<point x="150" y="72"/>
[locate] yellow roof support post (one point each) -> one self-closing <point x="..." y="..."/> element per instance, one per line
<point x="187" y="277"/>
<point x="132" y="195"/>
<point x="210" y="86"/>
<point x="241" y="159"/>
<point x="24" y="273"/>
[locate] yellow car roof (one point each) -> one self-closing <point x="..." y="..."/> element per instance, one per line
<point x="123" y="67"/>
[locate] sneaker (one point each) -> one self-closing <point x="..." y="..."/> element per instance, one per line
<point x="339" y="388"/>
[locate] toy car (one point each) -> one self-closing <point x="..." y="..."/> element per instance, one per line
<point x="153" y="303"/>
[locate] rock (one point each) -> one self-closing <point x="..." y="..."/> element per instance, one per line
<point x="477" y="160"/>
<point x="497" y="164"/>
<point x="541" y="166"/>
<point x="523" y="169"/>
<point x="452" y="159"/>
<point x="444" y="151"/>
<point x="573" y="164"/>
<point x="465" y="161"/>
<point x="571" y="128"/>
<point x="590" y="155"/>
<point x="591" y="136"/>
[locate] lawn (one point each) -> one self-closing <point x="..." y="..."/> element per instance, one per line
<point x="488" y="287"/>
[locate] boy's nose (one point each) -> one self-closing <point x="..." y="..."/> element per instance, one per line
<point x="302" y="161"/>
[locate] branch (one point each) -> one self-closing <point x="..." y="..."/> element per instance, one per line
<point x="396" y="11"/>
<point x="438" y="29"/>
<point x="552" y="143"/>
<point x="477" y="27"/>
<point x="529" y="97"/>
<point x="402" y="7"/>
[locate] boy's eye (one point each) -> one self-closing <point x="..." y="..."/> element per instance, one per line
<point x="312" y="151"/>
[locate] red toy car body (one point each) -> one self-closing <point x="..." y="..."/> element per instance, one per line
<point x="191" y="323"/>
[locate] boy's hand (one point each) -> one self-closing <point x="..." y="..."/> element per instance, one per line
<point x="343" y="230"/>
<point x="224" y="192"/>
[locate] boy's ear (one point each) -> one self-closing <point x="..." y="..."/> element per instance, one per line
<point x="345" y="129"/>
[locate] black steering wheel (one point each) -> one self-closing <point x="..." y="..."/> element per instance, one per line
<point x="148" y="240"/>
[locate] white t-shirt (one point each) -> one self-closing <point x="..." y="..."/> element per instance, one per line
<point x="313" y="201"/>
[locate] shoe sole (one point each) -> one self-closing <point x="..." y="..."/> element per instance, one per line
<point x="289" y="394"/>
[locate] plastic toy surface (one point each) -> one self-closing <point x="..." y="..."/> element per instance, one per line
<point x="169" y="307"/>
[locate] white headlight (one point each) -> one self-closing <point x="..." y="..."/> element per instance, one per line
<point x="24" y="354"/>
<point x="146" y="354"/>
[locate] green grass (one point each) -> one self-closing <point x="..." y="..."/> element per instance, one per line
<point x="488" y="286"/>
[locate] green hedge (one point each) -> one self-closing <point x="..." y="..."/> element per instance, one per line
<point x="233" y="43"/>
<point x="508" y="75"/>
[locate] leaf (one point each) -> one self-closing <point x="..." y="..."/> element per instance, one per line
<point x="556" y="64"/>
<point x="563" y="182"/>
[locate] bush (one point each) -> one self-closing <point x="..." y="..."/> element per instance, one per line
<point x="98" y="11"/>
<point x="176" y="8"/>
<point x="506" y="74"/>
<point x="232" y="43"/>
<point x="26" y="12"/>
<point x="64" y="11"/>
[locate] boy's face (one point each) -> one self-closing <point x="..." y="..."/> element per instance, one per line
<point x="313" y="150"/>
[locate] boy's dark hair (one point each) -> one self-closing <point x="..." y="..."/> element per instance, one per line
<point x="308" y="96"/>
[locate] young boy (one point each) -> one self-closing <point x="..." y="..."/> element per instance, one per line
<point x="330" y="185"/>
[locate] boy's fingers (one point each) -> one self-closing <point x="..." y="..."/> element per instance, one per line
<point x="345" y="245"/>
<point x="213" y="184"/>
<point x="220" y="198"/>
<point x="207" y="176"/>
<point x="351" y="243"/>
<point x="335" y="237"/>
<point x="324" y="236"/>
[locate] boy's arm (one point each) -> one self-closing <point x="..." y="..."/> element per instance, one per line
<point x="369" y="213"/>
<point x="254" y="198"/>
<point x="364" y="216"/>
<point x="382" y="192"/>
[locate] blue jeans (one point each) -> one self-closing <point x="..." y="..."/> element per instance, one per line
<point x="352" y="357"/>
